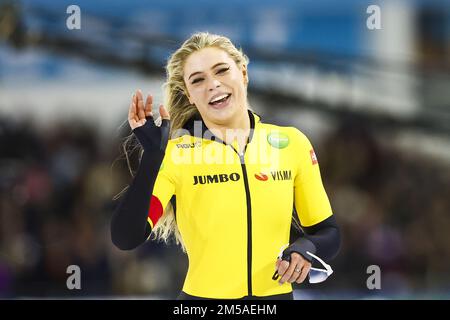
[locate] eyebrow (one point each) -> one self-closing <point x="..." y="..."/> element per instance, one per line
<point x="217" y="64"/>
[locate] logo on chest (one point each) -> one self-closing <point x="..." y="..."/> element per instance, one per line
<point x="216" y="178"/>
<point x="189" y="145"/>
<point x="279" y="175"/>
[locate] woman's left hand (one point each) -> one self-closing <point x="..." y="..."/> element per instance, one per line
<point x="295" y="271"/>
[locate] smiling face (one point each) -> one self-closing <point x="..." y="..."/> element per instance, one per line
<point x="216" y="86"/>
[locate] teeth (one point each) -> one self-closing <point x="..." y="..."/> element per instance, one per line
<point x="219" y="98"/>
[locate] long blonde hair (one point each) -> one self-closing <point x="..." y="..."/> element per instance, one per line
<point x="180" y="110"/>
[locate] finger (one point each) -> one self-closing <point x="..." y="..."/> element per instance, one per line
<point x="283" y="265"/>
<point x="132" y="116"/>
<point x="295" y="273"/>
<point x="148" y="106"/>
<point x="163" y="113"/>
<point x="282" y="271"/>
<point x="304" y="274"/>
<point x="137" y="96"/>
<point x="132" y="108"/>
<point x="140" y="105"/>
<point x="289" y="272"/>
<point x="135" y="101"/>
<point x="133" y="124"/>
<point x="296" y="263"/>
<point x="277" y="264"/>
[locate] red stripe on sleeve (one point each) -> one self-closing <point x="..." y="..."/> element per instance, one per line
<point x="156" y="210"/>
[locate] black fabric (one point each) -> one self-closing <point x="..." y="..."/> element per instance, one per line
<point x="322" y="239"/>
<point x="129" y="227"/>
<point x="285" y="296"/>
<point x="152" y="138"/>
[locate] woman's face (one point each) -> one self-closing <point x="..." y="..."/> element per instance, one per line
<point x="216" y="85"/>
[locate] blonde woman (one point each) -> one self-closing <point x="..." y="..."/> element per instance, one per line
<point x="235" y="182"/>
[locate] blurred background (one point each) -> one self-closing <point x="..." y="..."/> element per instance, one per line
<point x="375" y="103"/>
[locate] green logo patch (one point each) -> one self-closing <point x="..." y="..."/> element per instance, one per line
<point x="278" y="140"/>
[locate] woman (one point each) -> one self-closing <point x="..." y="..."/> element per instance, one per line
<point x="233" y="180"/>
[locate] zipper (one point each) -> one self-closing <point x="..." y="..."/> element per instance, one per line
<point x="249" y="225"/>
<point x="249" y="214"/>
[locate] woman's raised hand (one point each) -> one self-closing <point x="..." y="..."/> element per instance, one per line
<point x="140" y="117"/>
<point x="139" y="113"/>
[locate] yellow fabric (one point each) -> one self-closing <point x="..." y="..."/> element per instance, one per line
<point x="213" y="217"/>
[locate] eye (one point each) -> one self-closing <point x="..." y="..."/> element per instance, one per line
<point x="197" y="80"/>
<point x="223" y="70"/>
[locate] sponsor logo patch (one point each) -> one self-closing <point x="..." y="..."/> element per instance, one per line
<point x="278" y="140"/>
<point x="189" y="145"/>
<point x="279" y="175"/>
<point x="261" y="176"/>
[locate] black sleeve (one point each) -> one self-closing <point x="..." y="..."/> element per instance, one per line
<point x="129" y="227"/>
<point x="322" y="239"/>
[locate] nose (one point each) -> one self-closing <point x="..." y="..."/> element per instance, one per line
<point x="213" y="84"/>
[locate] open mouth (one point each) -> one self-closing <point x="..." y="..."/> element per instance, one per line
<point x="220" y="100"/>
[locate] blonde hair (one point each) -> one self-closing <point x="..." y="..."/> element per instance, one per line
<point x="180" y="110"/>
